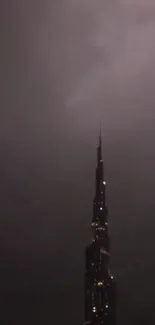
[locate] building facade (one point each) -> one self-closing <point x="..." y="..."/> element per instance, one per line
<point x="100" y="289"/>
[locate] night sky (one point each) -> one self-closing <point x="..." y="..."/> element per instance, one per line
<point x="65" y="65"/>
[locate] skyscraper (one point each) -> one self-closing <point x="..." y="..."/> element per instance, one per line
<point x="100" y="299"/>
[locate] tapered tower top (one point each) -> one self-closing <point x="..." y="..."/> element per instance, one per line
<point x="100" y="182"/>
<point x="100" y="300"/>
<point x="100" y="212"/>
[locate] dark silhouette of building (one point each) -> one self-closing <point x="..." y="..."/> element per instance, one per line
<point x="100" y="297"/>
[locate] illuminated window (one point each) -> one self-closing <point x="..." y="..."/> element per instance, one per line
<point x="94" y="309"/>
<point x="106" y="306"/>
<point x="101" y="208"/>
<point x="100" y="283"/>
<point x="101" y="228"/>
<point x="102" y="250"/>
<point x="104" y="182"/>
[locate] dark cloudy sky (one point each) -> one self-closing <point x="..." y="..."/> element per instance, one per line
<point x="66" y="64"/>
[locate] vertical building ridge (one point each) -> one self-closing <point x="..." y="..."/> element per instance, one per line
<point x="100" y="299"/>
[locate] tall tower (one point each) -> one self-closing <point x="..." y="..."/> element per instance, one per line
<point x="100" y="299"/>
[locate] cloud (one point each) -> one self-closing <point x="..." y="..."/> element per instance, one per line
<point x="124" y="37"/>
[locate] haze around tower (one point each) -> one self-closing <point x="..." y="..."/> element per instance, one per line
<point x="65" y="65"/>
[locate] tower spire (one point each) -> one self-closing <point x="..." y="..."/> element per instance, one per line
<point x="100" y="212"/>
<point x="100" y="134"/>
<point x="100" y="160"/>
<point x="100" y="301"/>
